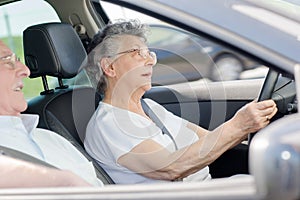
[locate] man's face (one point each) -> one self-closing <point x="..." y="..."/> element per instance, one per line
<point x="12" y="72"/>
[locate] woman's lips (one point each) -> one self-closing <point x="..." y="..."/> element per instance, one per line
<point x="147" y="74"/>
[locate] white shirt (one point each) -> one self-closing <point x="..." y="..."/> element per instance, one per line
<point x="113" y="132"/>
<point x="22" y="134"/>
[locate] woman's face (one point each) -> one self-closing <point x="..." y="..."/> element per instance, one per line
<point x="132" y="66"/>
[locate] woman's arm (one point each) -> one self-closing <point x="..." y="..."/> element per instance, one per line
<point x="154" y="161"/>
<point x="17" y="173"/>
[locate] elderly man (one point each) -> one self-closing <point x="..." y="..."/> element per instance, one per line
<point x="18" y="131"/>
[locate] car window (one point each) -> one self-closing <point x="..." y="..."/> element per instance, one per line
<point x="177" y="54"/>
<point x="183" y="56"/>
<point x="15" y="18"/>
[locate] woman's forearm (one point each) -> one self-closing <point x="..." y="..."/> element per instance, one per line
<point x="154" y="161"/>
<point x="211" y="145"/>
<point x="206" y="150"/>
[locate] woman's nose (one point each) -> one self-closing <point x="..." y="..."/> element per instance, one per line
<point x="152" y="58"/>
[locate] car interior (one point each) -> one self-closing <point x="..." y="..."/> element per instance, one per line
<point x="67" y="108"/>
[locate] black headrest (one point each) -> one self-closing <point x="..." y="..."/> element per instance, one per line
<point x="53" y="49"/>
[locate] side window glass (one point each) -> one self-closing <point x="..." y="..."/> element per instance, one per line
<point x="184" y="56"/>
<point x="14" y="19"/>
<point x="177" y="57"/>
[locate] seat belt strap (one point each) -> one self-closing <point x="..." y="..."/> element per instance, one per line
<point x="157" y="121"/>
<point x="5" y="151"/>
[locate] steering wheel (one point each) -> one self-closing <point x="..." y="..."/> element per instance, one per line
<point x="266" y="91"/>
<point x="268" y="86"/>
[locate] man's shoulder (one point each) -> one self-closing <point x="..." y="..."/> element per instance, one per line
<point x="49" y="135"/>
<point x="55" y="140"/>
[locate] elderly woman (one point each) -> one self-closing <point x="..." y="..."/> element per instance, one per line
<point x="127" y="142"/>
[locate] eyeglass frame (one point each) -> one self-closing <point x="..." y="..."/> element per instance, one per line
<point x="12" y="58"/>
<point x="152" y="54"/>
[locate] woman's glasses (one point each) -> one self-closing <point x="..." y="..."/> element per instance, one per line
<point x="144" y="53"/>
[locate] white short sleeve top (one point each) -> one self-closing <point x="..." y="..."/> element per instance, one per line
<point x="113" y="132"/>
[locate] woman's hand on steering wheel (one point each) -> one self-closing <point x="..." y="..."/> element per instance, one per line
<point x="266" y="93"/>
<point x="255" y="115"/>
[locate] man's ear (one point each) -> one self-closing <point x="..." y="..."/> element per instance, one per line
<point x="107" y="67"/>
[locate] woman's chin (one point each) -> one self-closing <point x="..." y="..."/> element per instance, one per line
<point x="147" y="87"/>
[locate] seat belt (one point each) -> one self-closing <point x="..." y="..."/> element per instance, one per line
<point x="5" y="151"/>
<point x="157" y="121"/>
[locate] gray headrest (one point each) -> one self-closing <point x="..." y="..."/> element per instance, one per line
<point x="53" y="49"/>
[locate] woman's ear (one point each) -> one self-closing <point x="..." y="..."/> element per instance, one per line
<point x="107" y="67"/>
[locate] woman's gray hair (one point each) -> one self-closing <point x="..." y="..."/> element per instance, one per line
<point x="106" y="44"/>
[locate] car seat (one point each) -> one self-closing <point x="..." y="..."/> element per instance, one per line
<point x="55" y="49"/>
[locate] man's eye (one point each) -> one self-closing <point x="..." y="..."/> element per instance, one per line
<point x="10" y="64"/>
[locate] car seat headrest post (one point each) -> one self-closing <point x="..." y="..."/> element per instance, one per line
<point x="46" y="87"/>
<point x="61" y="84"/>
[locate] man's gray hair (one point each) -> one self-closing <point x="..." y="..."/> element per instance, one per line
<point x="106" y="43"/>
